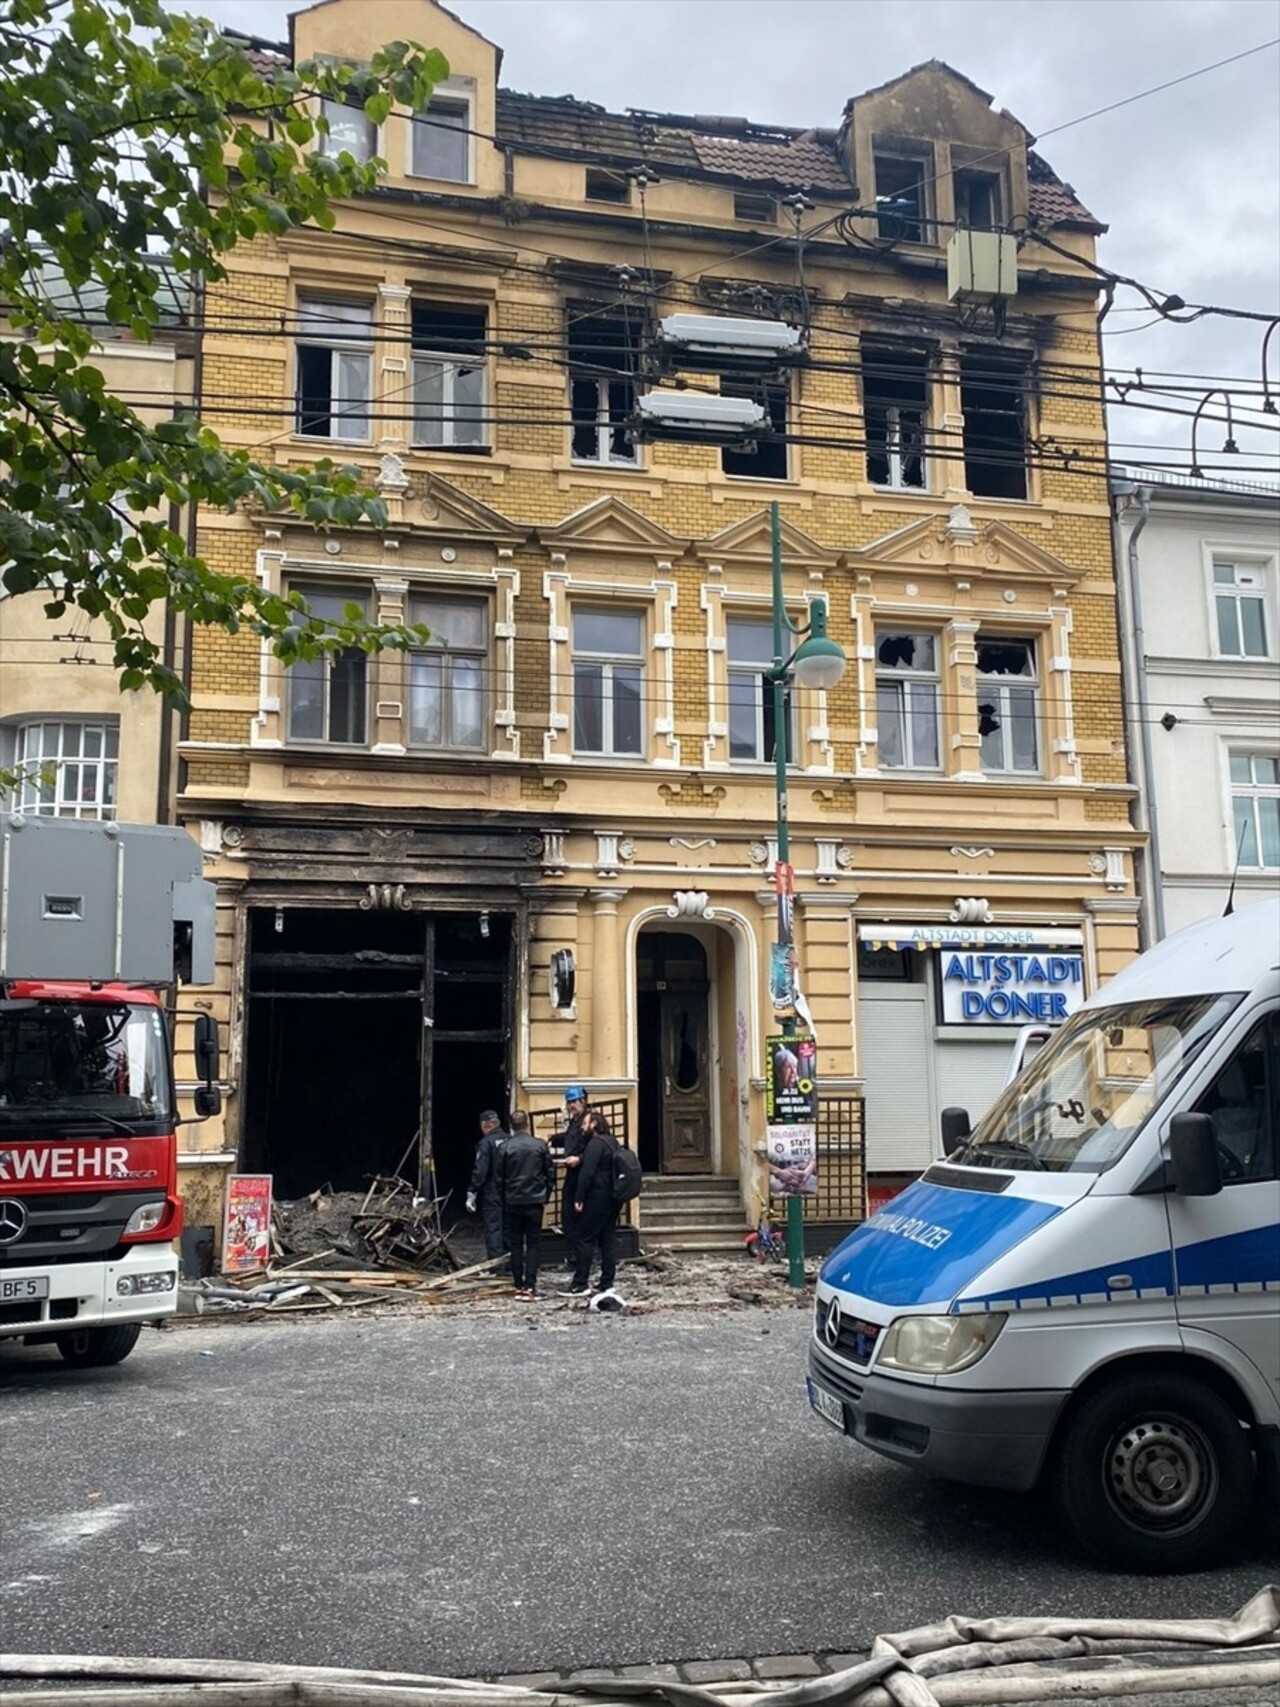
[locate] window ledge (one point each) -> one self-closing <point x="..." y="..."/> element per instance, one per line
<point x="451" y="450"/>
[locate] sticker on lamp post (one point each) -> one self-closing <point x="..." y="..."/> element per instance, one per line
<point x="792" y="1154"/>
<point x="782" y="976"/>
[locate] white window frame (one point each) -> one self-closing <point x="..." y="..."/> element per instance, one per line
<point x="447" y="655"/>
<point x="326" y="143"/>
<point x="450" y="94"/>
<point x="1250" y="563"/>
<point x="763" y="695"/>
<point x="45" y="774"/>
<point x="338" y="347"/>
<point x="998" y="688"/>
<point x="604" y="424"/>
<point x="898" y="680"/>
<point x="607" y="662"/>
<point x="325" y="664"/>
<point x="1251" y="792"/>
<point x="448" y="420"/>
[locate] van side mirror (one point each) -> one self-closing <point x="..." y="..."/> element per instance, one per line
<point x="956" y="1127"/>
<point x="205" y="1048"/>
<point x="1194" y="1166"/>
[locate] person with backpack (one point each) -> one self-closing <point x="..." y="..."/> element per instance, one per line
<point x="527" y="1180"/>
<point x="602" y="1184"/>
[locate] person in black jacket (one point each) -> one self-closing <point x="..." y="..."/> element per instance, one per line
<point x="526" y="1177"/>
<point x="485" y="1189"/>
<point x="569" y="1145"/>
<point x="595" y="1214"/>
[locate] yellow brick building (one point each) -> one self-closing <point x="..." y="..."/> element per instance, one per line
<point x="540" y="849"/>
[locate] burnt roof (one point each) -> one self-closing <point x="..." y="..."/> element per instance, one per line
<point x="732" y="151"/>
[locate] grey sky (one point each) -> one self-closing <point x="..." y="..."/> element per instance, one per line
<point x="1188" y="180"/>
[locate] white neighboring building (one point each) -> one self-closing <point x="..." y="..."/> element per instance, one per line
<point x="1199" y="576"/>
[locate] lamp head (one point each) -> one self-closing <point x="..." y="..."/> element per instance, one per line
<point x="819" y="662"/>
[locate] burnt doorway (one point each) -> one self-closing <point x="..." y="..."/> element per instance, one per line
<point x="366" y="1031"/>
<point x="332" y="1050"/>
<point x="674" y="1051"/>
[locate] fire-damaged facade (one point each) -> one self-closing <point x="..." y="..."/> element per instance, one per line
<point x="539" y="849"/>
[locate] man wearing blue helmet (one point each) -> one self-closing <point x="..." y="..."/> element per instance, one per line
<point x="569" y="1147"/>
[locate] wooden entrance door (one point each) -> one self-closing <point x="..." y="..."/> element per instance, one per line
<point x="686" y="1080"/>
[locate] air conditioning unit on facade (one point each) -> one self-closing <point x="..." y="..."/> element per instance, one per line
<point x="695" y="417"/>
<point x="713" y="343"/>
<point x="982" y="266"/>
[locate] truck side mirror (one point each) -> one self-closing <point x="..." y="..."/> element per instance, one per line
<point x="956" y="1128"/>
<point x="206" y="1048"/>
<point x="207" y="1101"/>
<point x="1193" y="1156"/>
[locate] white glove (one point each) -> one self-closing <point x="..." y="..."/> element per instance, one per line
<point x="471" y="1203"/>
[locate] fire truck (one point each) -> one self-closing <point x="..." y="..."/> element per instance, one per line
<point x="99" y="922"/>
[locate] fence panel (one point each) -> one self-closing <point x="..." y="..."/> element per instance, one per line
<point x="842" y="1161"/>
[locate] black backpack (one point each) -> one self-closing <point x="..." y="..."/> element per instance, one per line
<point x="628" y="1177"/>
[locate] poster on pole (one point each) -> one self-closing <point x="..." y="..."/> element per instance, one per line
<point x="246" y="1224"/>
<point x="784" y="886"/>
<point x="782" y="976"/>
<point x="792" y="1153"/>
<point x="791" y="1081"/>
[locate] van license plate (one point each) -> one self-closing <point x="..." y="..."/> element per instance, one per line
<point x="21" y="1291"/>
<point x="828" y="1407"/>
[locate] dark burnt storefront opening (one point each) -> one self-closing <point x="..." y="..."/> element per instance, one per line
<point x="363" y="1030"/>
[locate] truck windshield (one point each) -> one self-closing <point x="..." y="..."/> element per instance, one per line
<point x="1076" y="1107"/>
<point x="62" y="1061"/>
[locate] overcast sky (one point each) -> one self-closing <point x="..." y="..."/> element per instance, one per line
<point x="1188" y="179"/>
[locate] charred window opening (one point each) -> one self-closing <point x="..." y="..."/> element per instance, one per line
<point x="902" y="211"/>
<point x="993" y="399"/>
<point x="895" y="402"/>
<point x="767" y="460"/>
<point x="760" y="210"/>
<point x="334" y="368"/>
<point x="449" y="376"/>
<point x="602" y="387"/>
<point x="977" y="198"/>
<point x="605" y="186"/>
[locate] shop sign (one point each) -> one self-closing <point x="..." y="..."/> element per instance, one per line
<point x="1038" y="986"/>
<point x="793" y="1160"/>
<point x="246" y="1226"/>
<point x="969" y="936"/>
<point x="791" y="1081"/>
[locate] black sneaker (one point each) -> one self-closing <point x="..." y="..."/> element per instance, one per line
<point x="571" y="1291"/>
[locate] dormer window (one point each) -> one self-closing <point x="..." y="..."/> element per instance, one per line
<point x="978" y="201"/>
<point x="442" y="140"/>
<point x="902" y="197"/>
<point x="350" y="132"/>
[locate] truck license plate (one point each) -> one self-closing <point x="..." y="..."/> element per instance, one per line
<point x="828" y="1407"/>
<point x="22" y="1291"/>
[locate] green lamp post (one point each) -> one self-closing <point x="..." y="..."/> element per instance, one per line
<point x="818" y="663"/>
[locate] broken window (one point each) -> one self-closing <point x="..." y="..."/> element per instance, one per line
<point x="448" y="376"/>
<point x="977" y="198"/>
<point x="993" y="398"/>
<point x="606" y="186"/>
<point x="907" y="700"/>
<point x="602" y="387"/>
<point x="442" y="140"/>
<point x="447" y="676"/>
<point x="767" y="458"/>
<point x="335" y="366"/>
<point x="759" y="210"/>
<point x="752" y="728"/>
<point x="895" y="402"/>
<point x="350" y="132"/>
<point x="327" y="695"/>
<point x="902" y="207"/>
<point x="1008" y="709"/>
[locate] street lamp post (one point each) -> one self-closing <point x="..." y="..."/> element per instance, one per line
<point x="818" y="663"/>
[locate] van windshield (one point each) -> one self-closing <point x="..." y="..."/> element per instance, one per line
<point x="1078" y="1105"/>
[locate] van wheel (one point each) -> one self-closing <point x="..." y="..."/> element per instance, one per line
<point x="94" y="1348"/>
<point x="1155" y="1473"/>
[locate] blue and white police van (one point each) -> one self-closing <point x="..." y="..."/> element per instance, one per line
<point x="1085" y="1292"/>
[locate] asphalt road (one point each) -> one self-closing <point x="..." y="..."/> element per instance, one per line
<point x="480" y="1496"/>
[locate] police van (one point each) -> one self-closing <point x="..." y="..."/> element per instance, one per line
<point x="1085" y="1291"/>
